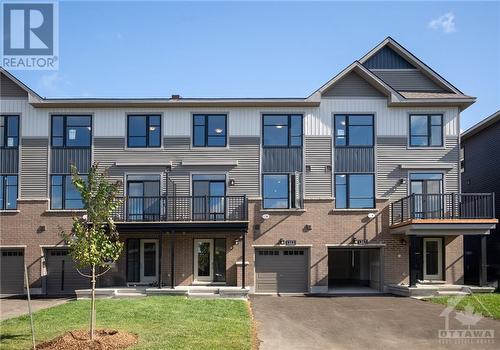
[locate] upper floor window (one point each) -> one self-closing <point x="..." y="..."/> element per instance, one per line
<point x="354" y="191"/>
<point x="209" y="130"/>
<point x="144" y="131"/>
<point x="8" y="192"/>
<point x="63" y="194"/>
<point x="71" y="131"/>
<point x="281" y="191"/>
<point x="284" y="130"/>
<point x="9" y="131"/>
<point x="426" y="130"/>
<point x="353" y="130"/>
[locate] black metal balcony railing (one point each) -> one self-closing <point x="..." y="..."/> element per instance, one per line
<point x="443" y="206"/>
<point x="182" y="208"/>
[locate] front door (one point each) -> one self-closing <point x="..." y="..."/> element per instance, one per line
<point x="149" y="260"/>
<point x="203" y="260"/>
<point x="433" y="259"/>
<point x="428" y="202"/>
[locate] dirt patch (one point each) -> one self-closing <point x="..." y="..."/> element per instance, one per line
<point x="104" y="339"/>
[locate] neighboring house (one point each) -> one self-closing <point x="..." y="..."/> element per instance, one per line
<point x="480" y="151"/>
<point x="356" y="185"/>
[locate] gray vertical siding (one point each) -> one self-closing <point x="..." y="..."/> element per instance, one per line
<point x="354" y="160"/>
<point x="393" y="151"/>
<point x="387" y="58"/>
<point x="352" y="85"/>
<point x="9" y="160"/>
<point x="282" y="159"/>
<point x="34" y="167"/>
<point x="61" y="160"/>
<point x="407" y="80"/>
<point x="318" y="155"/>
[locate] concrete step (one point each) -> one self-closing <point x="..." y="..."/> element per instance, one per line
<point x="202" y="290"/>
<point x="130" y="295"/>
<point x="451" y="293"/>
<point x="204" y="295"/>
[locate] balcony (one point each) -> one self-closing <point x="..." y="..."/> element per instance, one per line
<point x="183" y="212"/>
<point x="459" y="211"/>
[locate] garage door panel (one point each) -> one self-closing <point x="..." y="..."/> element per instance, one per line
<point x="12" y="271"/>
<point x="62" y="276"/>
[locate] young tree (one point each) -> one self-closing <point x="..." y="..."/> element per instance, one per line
<point x="93" y="242"/>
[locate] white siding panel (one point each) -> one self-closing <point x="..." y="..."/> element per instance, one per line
<point x="34" y="122"/>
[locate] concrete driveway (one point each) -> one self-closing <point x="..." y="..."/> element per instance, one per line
<point x="371" y="322"/>
<point x="14" y="307"/>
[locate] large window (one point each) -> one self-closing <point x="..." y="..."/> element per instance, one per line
<point x="8" y="192"/>
<point x="281" y="191"/>
<point x="63" y="194"/>
<point x="426" y="130"/>
<point x="284" y="130"/>
<point x="354" y="191"/>
<point x="73" y="131"/>
<point x="209" y="130"/>
<point x="143" y="131"/>
<point x="353" y="130"/>
<point x="9" y="131"/>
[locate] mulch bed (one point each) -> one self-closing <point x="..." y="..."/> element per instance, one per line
<point x="104" y="339"/>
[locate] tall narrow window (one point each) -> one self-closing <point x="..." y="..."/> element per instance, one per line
<point x="9" y="131"/>
<point x="354" y="191"/>
<point x="426" y="130"/>
<point x="8" y="192"/>
<point x="209" y="130"/>
<point x="275" y="190"/>
<point x="63" y="194"/>
<point x="73" y="131"/>
<point x="143" y="131"/>
<point x="354" y="130"/>
<point x="282" y="130"/>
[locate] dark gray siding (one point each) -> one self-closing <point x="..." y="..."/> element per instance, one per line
<point x="387" y="58"/>
<point x="354" y="160"/>
<point x="281" y="159"/>
<point x="62" y="158"/>
<point x="9" y="160"/>
<point x="318" y="180"/>
<point x="34" y="167"/>
<point x="9" y="89"/>
<point x="407" y="80"/>
<point x="352" y="85"/>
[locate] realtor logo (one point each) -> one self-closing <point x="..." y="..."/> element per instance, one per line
<point x="30" y="35"/>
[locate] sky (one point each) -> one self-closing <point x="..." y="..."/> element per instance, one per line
<point x="263" y="49"/>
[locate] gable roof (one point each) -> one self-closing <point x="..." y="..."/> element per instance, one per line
<point x="483" y="124"/>
<point x="7" y="75"/>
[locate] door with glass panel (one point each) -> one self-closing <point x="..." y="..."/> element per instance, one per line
<point x="428" y="201"/>
<point x="209" y="193"/>
<point x="203" y="260"/>
<point x="149" y="260"/>
<point x="433" y="258"/>
<point x="143" y="199"/>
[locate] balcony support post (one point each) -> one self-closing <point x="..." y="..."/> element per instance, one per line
<point x="243" y="259"/>
<point x="483" y="273"/>
<point x="160" y="253"/>
<point x="172" y="260"/>
<point x="415" y="259"/>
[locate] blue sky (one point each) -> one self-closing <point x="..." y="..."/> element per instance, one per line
<point x="258" y="49"/>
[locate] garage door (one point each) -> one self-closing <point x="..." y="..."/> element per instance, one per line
<point x="281" y="270"/>
<point x="62" y="277"/>
<point x="11" y="271"/>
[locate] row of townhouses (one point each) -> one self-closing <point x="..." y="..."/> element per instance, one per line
<point x="354" y="186"/>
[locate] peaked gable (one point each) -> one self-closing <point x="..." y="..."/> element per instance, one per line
<point x="9" y="88"/>
<point x="352" y="85"/>
<point x="387" y="58"/>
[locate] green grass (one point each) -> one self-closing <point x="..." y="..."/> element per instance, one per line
<point x="485" y="304"/>
<point x="162" y="322"/>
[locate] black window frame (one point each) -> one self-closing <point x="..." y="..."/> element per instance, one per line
<point x="291" y="192"/>
<point x="347" y="194"/>
<point x="4" y="191"/>
<point x="429" y="130"/>
<point x="65" y="126"/>
<point x="347" y="123"/>
<point x="289" y="129"/>
<point x="205" y="126"/>
<point x="5" y="131"/>
<point x="147" y="125"/>
<point x="63" y="192"/>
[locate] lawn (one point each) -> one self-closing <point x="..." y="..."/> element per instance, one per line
<point x="163" y="322"/>
<point x="480" y="302"/>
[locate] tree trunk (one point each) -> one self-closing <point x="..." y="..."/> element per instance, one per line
<point x="92" y="311"/>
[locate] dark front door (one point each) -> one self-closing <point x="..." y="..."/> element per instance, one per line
<point x="143" y="203"/>
<point x="209" y="197"/>
<point x="427" y="202"/>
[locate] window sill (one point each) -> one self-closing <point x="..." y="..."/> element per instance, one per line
<point x="209" y="148"/>
<point x="354" y="210"/>
<point x="143" y="149"/>
<point x="65" y="211"/>
<point x="293" y="210"/>
<point x="8" y="211"/>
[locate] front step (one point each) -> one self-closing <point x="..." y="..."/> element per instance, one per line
<point x="443" y="293"/>
<point x="201" y="295"/>
<point x="129" y="295"/>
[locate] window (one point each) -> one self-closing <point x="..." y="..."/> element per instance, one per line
<point x="426" y="130"/>
<point x="8" y="192"/>
<point x="281" y="191"/>
<point x="143" y="131"/>
<point x="283" y="130"/>
<point x="353" y="130"/>
<point x="354" y="191"/>
<point x="73" y="131"/>
<point x="9" y="131"/>
<point x="209" y="130"/>
<point x="63" y="194"/>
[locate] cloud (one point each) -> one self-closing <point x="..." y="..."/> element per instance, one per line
<point x="53" y="83"/>
<point x="445" y="22"/>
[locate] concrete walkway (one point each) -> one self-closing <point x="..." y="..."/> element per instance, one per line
<point x="368" y="322"/>
<point x="10" y="307"/>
